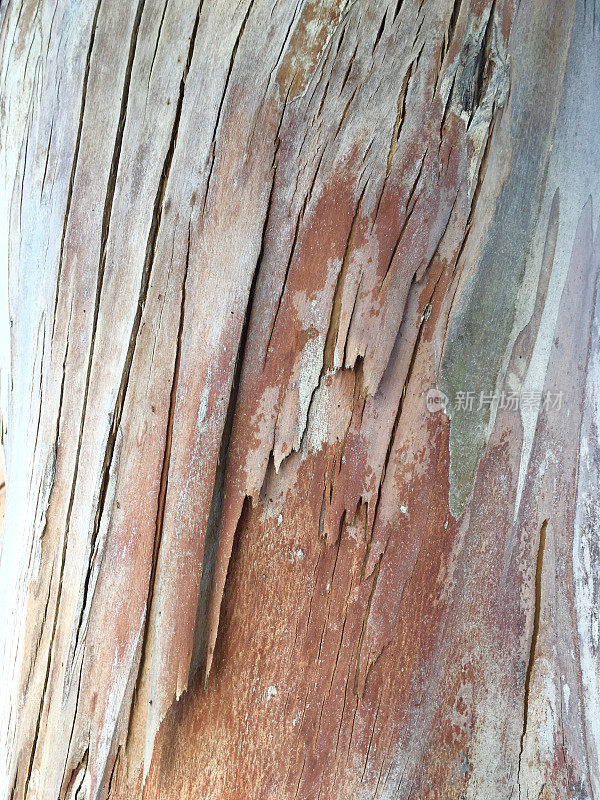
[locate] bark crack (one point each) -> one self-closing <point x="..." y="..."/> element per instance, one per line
<point x="222" y="102"/>
<point x="86" y="75"/>
<point x="106" y="218"/>
<point x="534" y="641"/>
<point x="224" y="546"/>
<point x="64" y="550"/>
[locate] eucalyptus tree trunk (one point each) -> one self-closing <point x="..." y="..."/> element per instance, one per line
<point x="300" y="391"/>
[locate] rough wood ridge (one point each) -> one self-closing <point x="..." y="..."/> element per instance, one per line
<point x="240" y="242"/>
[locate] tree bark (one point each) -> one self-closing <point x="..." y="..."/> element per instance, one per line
<point x="300" y="399"/>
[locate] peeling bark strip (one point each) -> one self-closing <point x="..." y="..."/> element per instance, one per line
<point x="246" y="554"/>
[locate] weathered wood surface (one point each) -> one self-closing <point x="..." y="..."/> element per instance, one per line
<point x="240" y="244"/>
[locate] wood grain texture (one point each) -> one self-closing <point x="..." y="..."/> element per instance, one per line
<point x="243" y="556"/>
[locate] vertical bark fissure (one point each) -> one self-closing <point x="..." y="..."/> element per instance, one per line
<point x="166" y="461"/>
<point x="86" y="74"/>
<point x="205" y="649"/>
<point x="363" y="629"/>
<point x="106" y="218"/>
<point x="284" y="282"/>
<point x="34" y="742"/>
<point x="143" y="292"/>
<point x="160" y="26"/>
<point x="333" y="328"/>
<point x="394" y="430"/>
<point x="162" y="490"/>
<point x="148" y="266"/>
<point x="48" y="147"/>
<point x="537" y="608"/>
<point x="397" y="9"/>
<point x="222" y="102"/>
<point x="482" y="64"/>
<point x="116" y="416"/>
<point x="73" y="722"/>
